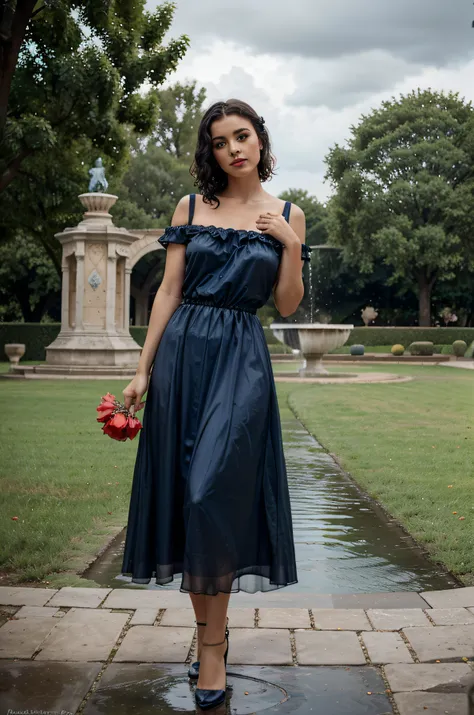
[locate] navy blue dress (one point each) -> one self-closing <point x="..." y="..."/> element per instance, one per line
<point x="210" y="495"/>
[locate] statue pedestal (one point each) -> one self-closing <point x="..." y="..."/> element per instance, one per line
<point x="95" y="333"/>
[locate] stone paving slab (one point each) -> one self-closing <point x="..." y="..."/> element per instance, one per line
<point x="451" y="616"/>
<point x="12" y="596"/>
<point x="178" y="617"/>
<point x="283" y="618"/>
<point x="385" y="647"/>
<point x="397" y="599"/>
<point x="145" y="598"/>
<point x="241" y="617"/>
<point x="83" y="635"/>
<point x="436" y="677"/>
<point x="441" y="642"/>
<point x="144" y="617"/>
<point x="80" y="597"/>
<point x="394" y="619"/>
<point x="21" y="638"/>
<point x="454" y="597"/>
<point x="37" y="612"/>
<point x="431" y="703"/>
<point x="328" y="648"/>
<point x="260" y="646"/>
<point x="32" y="687"/>
<point x="346" y="619"/>
<point x="155" y="644"/>
<point x="279" y="599"/>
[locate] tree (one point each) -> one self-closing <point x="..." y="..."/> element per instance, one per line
<point x="43" y="198"/>
<point x="28" y="276"/>
<point x="158" y="172"/>
<point x="154" y="183"/>
<point x="70" y="69"/>
<point x="180" y="113"/>
<point x="404" y="190"/>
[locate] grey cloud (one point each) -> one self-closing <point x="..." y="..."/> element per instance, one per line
<point x="306" y="150"/>
<point x="436" y="32"/>
<point x="236" y="83"/>
<point x="342" y="81"/>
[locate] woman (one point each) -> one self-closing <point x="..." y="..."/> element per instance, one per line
<point x="210" y="495"/>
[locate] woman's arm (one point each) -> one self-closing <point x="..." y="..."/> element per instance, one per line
<point x="288" y="289"/>
<point x="168" y="295"/>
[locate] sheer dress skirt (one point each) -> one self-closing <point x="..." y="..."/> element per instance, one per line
<point x="210" y="497"/>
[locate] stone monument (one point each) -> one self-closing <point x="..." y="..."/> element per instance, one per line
<point x="95" y="338"/>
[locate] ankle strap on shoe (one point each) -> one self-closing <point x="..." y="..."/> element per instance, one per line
<point x="200" y="623"/>
<point x="215" y="643"/>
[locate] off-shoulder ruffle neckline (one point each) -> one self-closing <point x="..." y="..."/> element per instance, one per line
<point x="222" y="233"/>
<point x="219" y="230"/>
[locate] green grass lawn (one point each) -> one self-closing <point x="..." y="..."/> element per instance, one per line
<point x="404" y="444"/>
<point x="66" y="481"/>
<point x="69" y="484"/>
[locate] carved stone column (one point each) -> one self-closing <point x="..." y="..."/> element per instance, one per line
<point x="96" y="339"/>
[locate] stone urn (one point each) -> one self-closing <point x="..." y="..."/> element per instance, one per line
<point x="14" y="351"/>
<point x="98" y="206"/>
<point x="314" y="340"/>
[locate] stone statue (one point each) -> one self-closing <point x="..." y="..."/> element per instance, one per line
<point x="368" y="314"/>
<point x="98" y="182"/>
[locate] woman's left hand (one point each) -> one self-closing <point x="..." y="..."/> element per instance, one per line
<point x="277" y="226"/>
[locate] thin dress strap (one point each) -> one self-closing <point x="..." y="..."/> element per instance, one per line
<point x="192" y="202"/>
<point x="286" y="211"/>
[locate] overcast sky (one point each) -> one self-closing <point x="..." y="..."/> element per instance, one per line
<point x="312" y="67"/>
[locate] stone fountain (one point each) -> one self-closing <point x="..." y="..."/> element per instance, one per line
<point x="313" y="340"/>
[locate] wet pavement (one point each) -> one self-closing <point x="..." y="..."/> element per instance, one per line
<point x="344" y="542"/>
<point x="149" y="689"/>
<point x="278" y="691"/>
<point x="90" y="651"/>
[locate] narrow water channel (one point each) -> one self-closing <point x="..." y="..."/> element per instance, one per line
<point x="343" y="541"/>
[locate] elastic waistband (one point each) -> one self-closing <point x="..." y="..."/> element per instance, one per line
<point x="203" y="301"/>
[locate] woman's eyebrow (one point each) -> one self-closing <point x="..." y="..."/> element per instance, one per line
<point x="237" y="131"/>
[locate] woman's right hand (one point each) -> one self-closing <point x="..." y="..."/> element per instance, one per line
<point x="134" y="392"/>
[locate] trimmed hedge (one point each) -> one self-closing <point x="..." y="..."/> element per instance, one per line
<point x="405" y="336"/>
<point x="421" y="347"/>
<point x="37" y="336"/>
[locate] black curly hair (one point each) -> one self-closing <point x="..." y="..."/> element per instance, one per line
<point x="209" y="176"/>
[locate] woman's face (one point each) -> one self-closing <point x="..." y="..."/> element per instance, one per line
<point x="233" y="138"/>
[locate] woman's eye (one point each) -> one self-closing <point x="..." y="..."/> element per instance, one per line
<point x="244" y="136"/>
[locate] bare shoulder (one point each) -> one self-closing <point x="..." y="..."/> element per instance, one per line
<point x="298" y="222"/>
<point x="181" y="212"/>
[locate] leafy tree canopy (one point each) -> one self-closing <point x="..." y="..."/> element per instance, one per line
<point x="70" y="69"/>
<point x="404" y="191"/>
<point x="158" y="172"/>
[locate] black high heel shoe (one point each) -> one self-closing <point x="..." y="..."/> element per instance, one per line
<point x="193" y="671"/>
<point x="206" y="699"/>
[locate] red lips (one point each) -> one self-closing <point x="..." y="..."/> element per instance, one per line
<point x="238" y="161"/>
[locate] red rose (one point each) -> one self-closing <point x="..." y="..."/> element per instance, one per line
<point x="116" y="427"/>
<point x="105" y="410"/>
<point x="118" y="423"/>
<point x="133" y="426"/>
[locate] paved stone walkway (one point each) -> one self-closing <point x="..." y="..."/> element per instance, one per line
<point x="425" y="655"/>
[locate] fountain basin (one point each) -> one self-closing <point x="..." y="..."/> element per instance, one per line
<point x="313" y="340"/>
